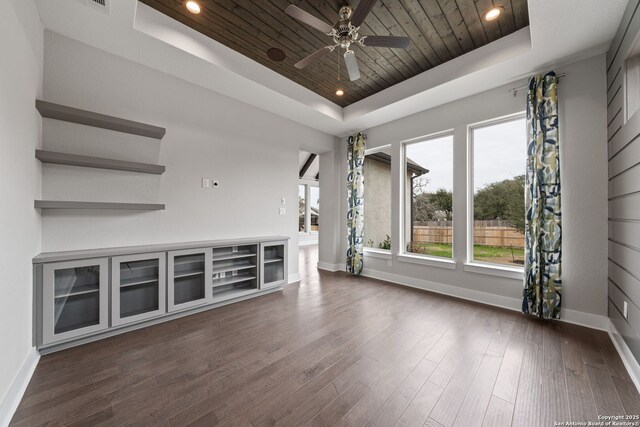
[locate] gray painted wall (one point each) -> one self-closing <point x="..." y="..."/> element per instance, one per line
<point x="253" y="153"/>
<point x="582" y="105"/>
<point x="624" y="183"/>
<point x="20" y="123"/>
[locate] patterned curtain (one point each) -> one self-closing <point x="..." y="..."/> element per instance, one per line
<point x="355" y="202"/>
<point x="543" y="230"/>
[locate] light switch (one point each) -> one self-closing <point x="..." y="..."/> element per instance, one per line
<point x="283" y="211"/>
<point x="206" y="183"/>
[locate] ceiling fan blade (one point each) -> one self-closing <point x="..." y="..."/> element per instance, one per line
<point x="361" y="12"/>
<point x="386" y="41"/>
<point x="302" y="16"/>
<point x="315" y="55"/>
<point x="352" y="65"/>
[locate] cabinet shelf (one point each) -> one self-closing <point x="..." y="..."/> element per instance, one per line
<point x="232" y="267"/>
<point x="233" y="255"/>
<point x="137" y="282"/>
<point x="231" y="280"/>
<point x="233" y="293"/>
<point x="54" y="157"/>
<point x="78" y="292"/>
<point x="189" y="274"/>
<point x="268" y="261"/>
<point x="69" y="204"/>
<point x="50" y="110"/>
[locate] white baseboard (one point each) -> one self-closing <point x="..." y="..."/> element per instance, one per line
<point x="11" y="401"/>
<point x="627" y="357"/>
<point x="293" y="278"/>
<point x="570" y="316"/>
<point x="330" y="267"/>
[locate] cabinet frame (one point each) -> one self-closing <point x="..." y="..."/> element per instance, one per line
<point x="285" y="257"/>
<point x="116" y="320"/>
<point x="48" y="300"/>
<point x="208" y="268"/>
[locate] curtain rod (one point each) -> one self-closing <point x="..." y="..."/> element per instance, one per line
<point x="515" y="90"/>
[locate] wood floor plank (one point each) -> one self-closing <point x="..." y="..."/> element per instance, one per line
<point x="528" y="402"/>
<point x="499" y="413"/>
<point x="479" y="394"/>
<point x="604" y="391"/>
<point x="335" y="349"/>
<point x="421" y="406"/>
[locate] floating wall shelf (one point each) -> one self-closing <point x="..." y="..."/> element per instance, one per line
<point x="74" y="115"/>
<point x="97" y="162"/>
<point x="62" y="204"/>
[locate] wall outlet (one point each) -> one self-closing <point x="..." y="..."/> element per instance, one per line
<point x="206" y="183"/>
<point x="234" y="249"/>
<point x="215" y="183"/>
<point x="389" y="263"/>
<point x="283" y="211"/>
<point x="625" y="310"/>
<point x="234" y="273"/>
<point x="223" y="275"/>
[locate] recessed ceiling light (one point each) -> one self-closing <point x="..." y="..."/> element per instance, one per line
<point x="193" y="6"/>
<point x="492" y="14"/>
<point x="339" y="92"/>
<point x="275" y="54"/>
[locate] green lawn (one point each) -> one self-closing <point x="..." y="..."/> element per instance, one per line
<point x="497" y="254"/>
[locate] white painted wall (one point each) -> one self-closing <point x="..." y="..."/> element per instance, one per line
<point x="253" y="153"/>
<point x="582" y="103"/>
<point x="20" y="85"/>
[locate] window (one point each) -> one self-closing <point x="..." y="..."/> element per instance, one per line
<point x="301" y="208"/>
<point x="428" y="196"/>
<point x="497" y="166"/>
<point x="377" y="198"/>
<point x="314" y="202"/>
<point x="308" y="208"/>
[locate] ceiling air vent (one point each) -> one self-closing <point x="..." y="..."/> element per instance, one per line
<point x="101" y="5"/>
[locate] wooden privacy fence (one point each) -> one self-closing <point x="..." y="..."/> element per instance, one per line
<point x="487" y="233"/>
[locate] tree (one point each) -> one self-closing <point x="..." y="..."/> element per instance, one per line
<point x="425" y="205"/>
<point x="502" y="200"/>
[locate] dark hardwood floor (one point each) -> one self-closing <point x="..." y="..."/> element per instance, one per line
<point x="336" y="350"/>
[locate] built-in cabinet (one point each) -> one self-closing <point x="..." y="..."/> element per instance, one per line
<point x="235" y="271"/>
<point x="75" y="299"/>
<point x="273" y="269"/>
<point x="137" y="287"/>
<point x="189" y="278"/>
<point x="85" y="295"/>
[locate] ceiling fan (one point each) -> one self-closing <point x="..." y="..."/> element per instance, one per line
<point x="344" y="34"/>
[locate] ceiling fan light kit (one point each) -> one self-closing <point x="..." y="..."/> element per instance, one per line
<point x="345" y="34"/>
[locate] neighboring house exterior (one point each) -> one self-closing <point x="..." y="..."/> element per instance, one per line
<point x="377" y="195"/>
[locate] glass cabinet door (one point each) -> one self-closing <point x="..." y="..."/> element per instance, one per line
<point x="138" y="287"/>
<point x="273" y="263"/>
<point x="75" y="299"/>
<point x="189" y="278"/>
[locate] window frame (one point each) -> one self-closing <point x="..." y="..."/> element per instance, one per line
<point x="472" y="265"/>
<point x="410" y="257"/>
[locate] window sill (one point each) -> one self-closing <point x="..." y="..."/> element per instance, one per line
<point x="377" y="253"/>
<point x="427" y="260"/>
<point x="495" y="270"/>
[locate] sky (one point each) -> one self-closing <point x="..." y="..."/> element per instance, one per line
<point x="499" y="154"/>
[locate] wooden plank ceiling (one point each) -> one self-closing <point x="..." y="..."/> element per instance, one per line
<point x="440" y="30"/>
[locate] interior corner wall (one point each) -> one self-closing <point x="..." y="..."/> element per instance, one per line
<point x="20" y="84"/>
<point x="251" y="152"/>
<point x="582" y="110"/>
